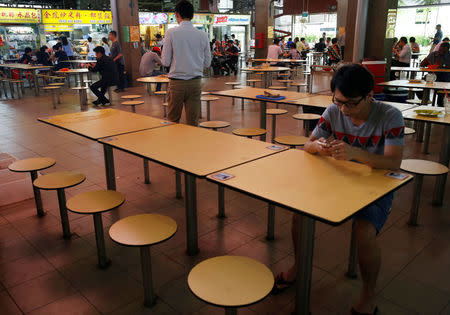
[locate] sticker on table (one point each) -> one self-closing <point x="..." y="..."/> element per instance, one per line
<point x="166" y="122"/>
<point x="400" y="176"/>
<point x="275" y="147"/>
<point x="108" y="139"/>
<point x="222" y="176"/>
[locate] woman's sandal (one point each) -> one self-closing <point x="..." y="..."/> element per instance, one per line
<point x="280" y="284"/>
<point x="354" y="312"/>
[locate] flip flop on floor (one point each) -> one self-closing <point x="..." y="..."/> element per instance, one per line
<point x="354" y="312"/>
<point x="280" y="284"/>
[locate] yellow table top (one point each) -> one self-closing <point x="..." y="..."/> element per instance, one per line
<point x="411" y="69"/>
<point x="157" y="79"/>
<point x="190" y="149"/>
<point x="405" y="83"/>
<point x="230" y="281"/>
<point x="24" y="66"/>
<point x="320" y="187"/>
<point x="250" y="93"/>
<point x="316" y="101"/>
<point x="103" y="123"/>
<point x="82" y="70"/>
<point x="411" y="114"/>
<point x="400" y="106"/>
<point x="267" y="69"/>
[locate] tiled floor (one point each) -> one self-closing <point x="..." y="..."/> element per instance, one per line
<point x="40" y="273"/>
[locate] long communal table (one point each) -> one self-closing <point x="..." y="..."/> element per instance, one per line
<point x="314" y="187"/>
<point x="267" y="73"/>
<point x="422" y="85"/>
<point x="196" y="152"/>
<point x="163" y="79"/>
<point x="23" y="67"/>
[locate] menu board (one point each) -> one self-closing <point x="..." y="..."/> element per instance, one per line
<point x="150" y="18"/>
<point x="19" y="15"/>
<point x="198" y="19"/>
<point x="76" y="17"/>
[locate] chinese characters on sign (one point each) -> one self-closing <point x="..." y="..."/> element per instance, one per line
<point x="19" y="15"/>
<point x="391" y="22"/>
<point x="76" y="17"/>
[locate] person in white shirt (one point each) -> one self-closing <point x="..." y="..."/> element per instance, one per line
<point x="90" y="46"/>
<point x="402" y="55"/>
<point x="106" y="46"/>
<point x="274" y="51"/>
<point x="186" y="51"/>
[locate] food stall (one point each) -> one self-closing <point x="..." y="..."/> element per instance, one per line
<point x="18" y="30"/>
<point x="150" y="24"/>
<point x="77" y="26"/>
<point x="202" y="22"/>
<point x="239" y="25"/>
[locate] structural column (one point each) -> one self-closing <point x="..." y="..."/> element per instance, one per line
<point x="125" y="15"/>
<point x="263" y="26"/>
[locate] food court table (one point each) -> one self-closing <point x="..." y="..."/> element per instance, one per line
<point x="267" y="71"/>
<point x="422" y="85"/>
<point x="195" y="151"/>
<point x="23" y="67"/>
<point x="439" y="188"/>
<point x="412" y="70"/>
<point x="400" y="106"/>
<point x="104" y="123"/>
<point x="251" y="93"/>
<point x="80" y="72"/>
<point x="315" y="187"/>
<point x="315" y="101"/>
<point x="163" y="79"/>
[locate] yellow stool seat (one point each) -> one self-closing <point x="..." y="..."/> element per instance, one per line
<point x="254" y="80"/>
<point x="143" y="230"/>
<point x="209" y="98"/>
<point x="298" y="84"/>
<point x="409" y="131"/>
<point x="284" y="74"/>
<point x="95" y="201"/>
<point x="276" y="87"/>
<point x="57" y="84"/>
<point x="206" y="93"/>
<point x="285" y="81"/>
<point x="214" y="124"/>
<point x="230" y="281"/>
<point x="292" y="141"/>
<point x="276" y="111"/>
<point x="131" y="96"/>
<point x="161" y="93"/>
<point x="132" y="103"/>
<point x="78" y="88"/>
<point x="51" y="87"/>
<point x="165" y="104"/>
<point x="59" y="180"/>
<point x="306" y="116"/>
<point x="423" y="167"/>
<point x="232" y="83"/>
<point x="249" y="132"/>
<point x="32" y="164"/>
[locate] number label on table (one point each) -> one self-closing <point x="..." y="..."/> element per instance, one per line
<point x="109" y="139"/>
<point x="166" y="123"/>
<point x="222" y="176"/>
<point x="399" y="176"/>
<point x="275" y="147"/>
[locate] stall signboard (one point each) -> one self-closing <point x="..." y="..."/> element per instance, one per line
<point x="220" y="19"/>
<point x="76" y="17"/>
<point x="20" y="15"/>
<point x="150" y="18"/>
<point x="58" y="27"/>
<point x="198" y="19"/>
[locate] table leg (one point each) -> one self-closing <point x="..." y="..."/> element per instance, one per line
<point x="63" y="213"/>
<point x="109" y="167"/>
<point x="271" y="222"/>
<point x="36" y="83"/>
<point x="420" y="131"/>
<point x="147" y="278"/>
<point x="274" y="127"/>
<point x="425" y="96"/>
<point x="146" y="171"/>
<point x="191" y="214"/>
<point x="37" y="195"/>
<point x="103" y="261"/>
<point x="352" y="271"/>
<point x="221" y="198"/>
<point x="413" y="215"/>
<point x="304" y="257"/>
<point x="81" y="79"/>
<point x="178" y="185"/>
<point x="262" y="120"/>
<point x="230" y="311"/>
<point x="208" y="110"/>
<point x="439" y="186"/>
<point x="426" y="144"/>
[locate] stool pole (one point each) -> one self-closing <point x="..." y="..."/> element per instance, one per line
<point x="63" y="213"/>
<point x="426" y="143"/>
<point x="146" y="265"/>
<point x="165" y="111"/>
<point x="271" y="222"/>
<point x="81" y="99"/>
<point x="109" y="167"/>
<point x="230" y="311"/>
<point x="133" y="108"/>
<point x="178" y="185"/>
<point x="262" y="118"/>
<point x="146" y="172"/>
<point x="191" y="214"/>
<point x="307" y="128"/>
<point x="274" y="127"/>
<point x="353" y="256"/>
<point x="37" y="195"/>
<point x="416" y="200"/>
<point x="221" y="214"/>
<point x="242" y="103"/>
<point x="208" y="111"/>
<point x="103" y="261"/>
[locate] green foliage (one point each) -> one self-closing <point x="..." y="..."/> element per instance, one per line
<point x="423" y="41"/>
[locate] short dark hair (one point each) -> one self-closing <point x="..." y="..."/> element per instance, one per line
<point x="302" y="38"/>
<point x="334" y="40"/>
<point x="438" y="25"/>
<point x="321" y="40"/>
<point x="276" y="41"/>
<point x="445" y="39"/>
<point x="353" y="81"/>
<point x="412" y="39"/>
<point x="445" y="45"/>
<point x="114" y="33"/>
<point x="404" y="39"/>
<point x="89" y="39"/>
<point x="64" y="40"/>
<point x="99" y="49"/>
<point x="55" y="47"/>
<point x="293" y="46"/>
<point x="28" y="50"/>
<point x="290" y="38"/>
<point x="185" y="9"/>
<point x="158" y="35"/>
<point x="230" y="41"/>
<point x="328" y="38"/>
<point x="43" y="48"/>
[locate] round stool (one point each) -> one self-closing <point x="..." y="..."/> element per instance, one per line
<point x="215" y="124"/>
<point x="306" y="119"/>
<point x="61" y="84"/>
<point x="253" y="82"/>
<point x="59" y="181"/>
<point x="208" y="100"/>
<point x="32" y="166"/>
<point x="165" y="105"/>
<point x="299" y="85"/>
<point x="420" y="168"/>
<point x="285" y="82"/>
<point x="130" y="97"/>
<point x="163" y="93"/>
<point x="206" y="93"/>
<point x="96" y="202"/>
<point x="143" y="231"/>
<point x="292" y="141"/>
<point x="233" y="85"/>
<point x="18" y="84"/>
<point x="249" y="132"/>
<point x="230" y="282"/>
<point x="55" y="94"/>
<point x="277" y="87"/>
<point x="274" y="112"/>
<point x="82" y="93"/>
<point x="133" y="104"/>
<point x="409" y="131"/>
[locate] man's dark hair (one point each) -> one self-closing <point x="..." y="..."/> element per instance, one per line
<point x="445" y="39"/>
<point x="64" y="40"/>
<point x="114" y="33"/>
<point x="43" y="48"/>
<point x="445" y="45"/>
<point x="158" y="36"/>
<point x="412" y="39"/>
<point x="328" y="38"/>
<point x="89" y="39"/>
<point x="293" y="46"/>
<point x="438" y="25"/>
<point x="404" y="39"/>
<point x="230" y="41"/>
<point x="334" y="41"/>
<point x="321" y="40"/>
<point x="302" y="38"/>
<point x="55" y="47"/>
<point x="185" y="9"/>
<point x="99" y="49"/>
<point x="276" y="41"/>
<point x="28" y="50"/>
<point x="353" y="81"/>
<point x="290" y="38"/>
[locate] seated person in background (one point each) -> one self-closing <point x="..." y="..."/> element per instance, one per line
<point x="237" y="44"/>
<point x="358" y="128"/>
<point x="293" y="53"/>
<point x="320" y="46"/>
<point x="328" y="42"/>
<point x="43" y="57"/>
<point x="26" y="57"/>
<point x="232" y="53"/>
<point x="59" y="56"/>
<point x="149" y="61"/>
<point x="402" y="55"/>
<point x="107" y="68"/>
<point x="415" y="48"/>
<point x="274" y="51"/>
<point x="334" y="55"/>
<point x="445" y="40"/>
<point x="303" y="47"/>
<point x="219" y="61"/>
<point x="441" y="58"/>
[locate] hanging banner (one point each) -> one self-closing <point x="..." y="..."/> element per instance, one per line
<point x="198" y="19"/>
<point x="150" y="18"/>
<point x="19" y="15"/>
<point x="76" y="17"/>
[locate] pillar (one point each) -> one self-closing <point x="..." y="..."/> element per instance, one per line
<point x="125" y="15"/>
<point x="263" y="25"/>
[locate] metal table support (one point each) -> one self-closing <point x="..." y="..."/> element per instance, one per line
<point x="439" y="188"/>
<point x="146" y="265"/>
<point x="191" y="214"/>
<point x="109" y="167"/>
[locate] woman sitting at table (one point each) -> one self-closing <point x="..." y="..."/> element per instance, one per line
<point x="357" y="128"/>
<point x="26" y="57"/>
<point x="293" y="53"/>
<point x="43" y="57"/>
<point x="59" y="57"/>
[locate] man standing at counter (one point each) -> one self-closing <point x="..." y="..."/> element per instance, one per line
<point x="117" y="56"/>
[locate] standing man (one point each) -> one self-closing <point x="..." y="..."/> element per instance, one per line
<point x="105" y="65"/>
<point x="186" y="51"/>
<point x="437" y="37"/>
<point x="117" y="56"/>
